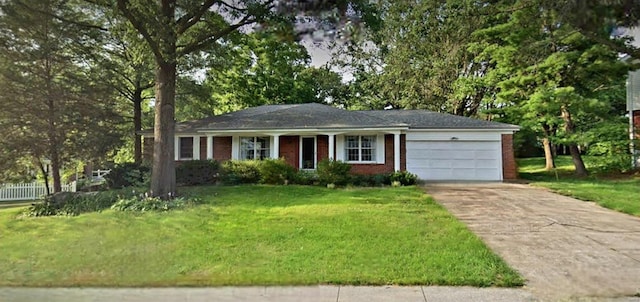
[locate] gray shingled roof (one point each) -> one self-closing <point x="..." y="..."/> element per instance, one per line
<point x="317" y="116"/>
<point x="425" y="119"/>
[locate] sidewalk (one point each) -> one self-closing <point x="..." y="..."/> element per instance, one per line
<point x="326" y="293"/>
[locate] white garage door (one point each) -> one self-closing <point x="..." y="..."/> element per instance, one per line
<point x="455" y="160"/>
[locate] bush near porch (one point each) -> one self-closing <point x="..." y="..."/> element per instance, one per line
<point x="616" y="191"/>
<point x="254" y="235"/>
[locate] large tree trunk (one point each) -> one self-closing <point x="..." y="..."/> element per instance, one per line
<point x="137" y="125"/>
<point x="55" y="171"/>
<point x="163" y="175"/>
<point x="576" y="157"/>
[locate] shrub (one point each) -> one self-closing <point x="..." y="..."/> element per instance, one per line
<point x="128" y="175"/>
<point x="75" y="203"/>
<point x="333" y="172"/>
<point x="197" y="172"/>
<point x="144" y="203"/>
<point x="276" y="172"/>
<point x="240" y="172"/>
<point x="373" y="180"/>
<point x="404" y="178"/>
<point x="306" y="178"/>
<point x="608" y="145"/>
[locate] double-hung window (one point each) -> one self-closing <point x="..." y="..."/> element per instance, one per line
<point x="254" y="147"/>
<point x="360" y="148"/>
<point x="186" y="148"/>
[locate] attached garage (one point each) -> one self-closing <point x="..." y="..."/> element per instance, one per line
<point x="473" y="156"/>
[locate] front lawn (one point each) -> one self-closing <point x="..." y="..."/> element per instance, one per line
<point x="254" y="235"/>
<point x="616" y="192"/>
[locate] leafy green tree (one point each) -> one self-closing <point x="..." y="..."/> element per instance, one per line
<point x="55" y="105"/>
<point x="128" y="63"/>
<point x="421" y="57"/>
<point x="550" y="74"/>
<point x="262" y="69"/>
<point x="176" y="29"/>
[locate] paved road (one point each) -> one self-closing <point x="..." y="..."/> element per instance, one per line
<point x="564" y="247"/>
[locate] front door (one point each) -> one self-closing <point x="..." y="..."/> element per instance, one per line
<point x="308" y="153"/>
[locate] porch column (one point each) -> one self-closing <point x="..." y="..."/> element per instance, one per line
<point x="276" y="146"/>
<point x="209" y="147"/>
<point x="196" y="147"/>
<point x="396" y="151"/>
<point x="332" y="140"/>
<point x="176" y="148"/>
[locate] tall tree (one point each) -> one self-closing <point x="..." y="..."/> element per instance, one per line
<point x="174" y="29"/>
<point x="54" y="104"/>
<point x="549" y="73"/>
<point x="129" y="64"/>
<point x="422" y="54"/>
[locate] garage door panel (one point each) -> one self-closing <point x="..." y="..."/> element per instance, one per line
<point x="490" y="154"/>
<point x="487" y="164"/>
<point x="463" y="164"/>
<point x="455" y="160"/>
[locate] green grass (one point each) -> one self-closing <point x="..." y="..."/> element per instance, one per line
<point x="616" y="192"/>
<point x="254" y="235"/>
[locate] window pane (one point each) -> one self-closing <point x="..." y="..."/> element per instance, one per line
<point x="352" y="142"/>
<point x="247" y="148"/>
<point x="368" y="141"/>
<point x="367" y="155"/>
<point x="263" y="153"/>
<point x="262" y="143"/>
<point x="186" y="147"/>
<point x="352" y="155"/>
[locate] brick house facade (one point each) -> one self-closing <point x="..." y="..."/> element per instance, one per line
<point x="373" y="142"/>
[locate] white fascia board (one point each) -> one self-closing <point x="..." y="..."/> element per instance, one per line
<point x="303" y="130"/>
<point x="177" y="134"/>
<point x="500" y="130"/>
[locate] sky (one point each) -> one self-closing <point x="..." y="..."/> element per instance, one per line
<point x="321" y="55"/>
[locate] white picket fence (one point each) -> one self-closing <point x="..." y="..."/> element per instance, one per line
<point x="29" y="191"/>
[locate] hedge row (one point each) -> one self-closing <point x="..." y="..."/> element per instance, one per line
<point x="268" y="171"/>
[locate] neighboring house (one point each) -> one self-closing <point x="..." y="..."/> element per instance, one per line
<point x="434" y="146"/>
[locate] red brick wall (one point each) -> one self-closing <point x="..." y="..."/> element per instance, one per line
<point x="222" y="148"/>
<point x="290" y="150"/>
<point x="387" y="167"/>
<point x="203" y="147"/>
<point x="636" y="123"/>
<point x="509" y="166"/>
<point x="323" y="147"/>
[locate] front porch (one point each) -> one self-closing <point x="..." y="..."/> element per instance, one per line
<point x="369" y="152"/>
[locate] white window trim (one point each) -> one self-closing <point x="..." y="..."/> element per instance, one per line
<point x="379" y="148"/>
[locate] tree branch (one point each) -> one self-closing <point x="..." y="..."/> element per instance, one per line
<point x="615" y="45"/>
<point x="224" y="3"/>
<point x="185" y="22"/>
<point x="204" y="40"/>
<point x="60" y="18"/>
<point x="140" y="26"/>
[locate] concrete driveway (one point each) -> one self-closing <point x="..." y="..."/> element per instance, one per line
<point x="565" y="248"/>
